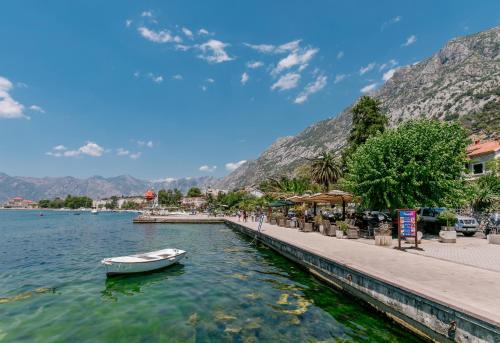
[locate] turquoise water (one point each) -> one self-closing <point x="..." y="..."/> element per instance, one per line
<point x="53" y="289"/>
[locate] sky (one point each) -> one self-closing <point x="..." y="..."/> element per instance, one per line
<point x="170" y="89"/>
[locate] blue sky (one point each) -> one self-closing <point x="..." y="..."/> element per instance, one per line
<point x="160" y="89"/>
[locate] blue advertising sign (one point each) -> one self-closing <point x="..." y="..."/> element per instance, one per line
<point x="408" y="223"/>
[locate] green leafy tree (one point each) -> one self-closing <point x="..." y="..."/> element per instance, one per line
<point x="325" y="170"/>
<point x="485" y="191"/>
<point x="287" y="186"/>
<point x="113" y="204"/>
<point x="367" y="120"/>
<point x="169" y="197"/>
<point x="420" y="163"/>
<point x="194" y="192"/>
<point x="130" y="205"/>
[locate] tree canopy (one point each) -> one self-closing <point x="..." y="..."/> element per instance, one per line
<point x="194" y="192"/>
<point x="367" y="120"/>
<point x="325" y="170"/>
<point x="419" y="163"/>
<point x="169" y="197"/>
<point x="71" y="201"/>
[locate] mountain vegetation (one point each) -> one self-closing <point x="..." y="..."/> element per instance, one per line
<point x="458" y="83"/>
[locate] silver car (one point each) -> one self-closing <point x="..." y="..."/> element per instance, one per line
<point x="468" y="226"/>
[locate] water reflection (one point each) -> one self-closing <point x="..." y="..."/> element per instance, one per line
<point x="134" y="284"/>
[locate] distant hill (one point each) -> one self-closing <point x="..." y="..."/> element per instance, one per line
<point x="96" y="187"/>
<point x="460" y="81"/>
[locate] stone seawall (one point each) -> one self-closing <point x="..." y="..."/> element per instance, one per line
<point x="425" y="316"/>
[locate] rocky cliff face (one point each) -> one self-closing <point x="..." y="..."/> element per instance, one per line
<point x="96" y="187"/>
<point x="463" y="78"/>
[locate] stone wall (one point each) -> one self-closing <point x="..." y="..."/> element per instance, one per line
<point x="426" y="317"/>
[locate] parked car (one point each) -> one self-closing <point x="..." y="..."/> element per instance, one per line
<point x="466" y="225"/>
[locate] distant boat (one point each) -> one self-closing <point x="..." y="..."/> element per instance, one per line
<point x="141" y="263"/>
<point x="94" y="211"/>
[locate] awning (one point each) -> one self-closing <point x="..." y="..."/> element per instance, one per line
<point x="281" y="203"/>
<point x="331" y="197"/>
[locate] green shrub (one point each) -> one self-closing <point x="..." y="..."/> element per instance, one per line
<point x="447" y="218"/>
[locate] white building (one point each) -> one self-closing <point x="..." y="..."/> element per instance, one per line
<point x="479" y="154"/>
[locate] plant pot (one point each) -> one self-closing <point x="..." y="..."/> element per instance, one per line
<point x="340" y="234"/>
<point x="308" y="227"/>
<point x="322" y="229"/>
<point x="273" y="221"/>
<point x="383" y="240"/>
<point x="281" y="222"/>
<point x="447" y="236"/>
<point x="411" y="240"/>
<point x="352" y="234"/>
<point x="332" y="232"/>
<point x="493" y="238"/>
<point x="288" y="223"/>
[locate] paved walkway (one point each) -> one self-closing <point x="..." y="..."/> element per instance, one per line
<point x="470" y="251"/>
<point x="472" y="290"/>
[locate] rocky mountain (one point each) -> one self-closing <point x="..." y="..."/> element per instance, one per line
<point x="461" y="81"/>
<point x="96" y="187"/>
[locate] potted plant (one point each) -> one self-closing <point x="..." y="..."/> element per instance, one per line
<point x="280" y="219"/>
<point x="447" y="220"/>
<point x="383" y="235"/>
<point x="342" y="228"/>
<point x="318" y="222"/>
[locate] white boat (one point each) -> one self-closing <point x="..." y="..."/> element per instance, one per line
<point x="94" y="211"/>
<point x="142" y="262"/>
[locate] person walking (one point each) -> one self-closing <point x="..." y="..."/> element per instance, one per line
<point x="244" y="216"/>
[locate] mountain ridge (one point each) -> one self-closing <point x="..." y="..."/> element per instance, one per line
<point x="95" y="187"/>
<point x="461" y="79"/>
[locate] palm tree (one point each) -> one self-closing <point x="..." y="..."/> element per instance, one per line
<point x="325" y="170"/>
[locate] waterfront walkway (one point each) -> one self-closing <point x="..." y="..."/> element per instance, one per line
<point x="467" y="288"/>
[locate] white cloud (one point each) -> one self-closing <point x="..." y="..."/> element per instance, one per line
<point x="364" y="70"/>
<point x="203" y="32"/>
<point x="255" y="64"/>
<point x="90" y="149"/>
<point x="128" y="23"/>
<point x="162" y="36"/>
<point x="149" y="144"/>
<point x="340" y="55"/>
<point x="9" y="108"/>
<point x="213" y="51"/>
<point x="207" y="168"/>
<point x="273" y="49"/>
<point x="122" y="152"/>
<point x="369" y="88"/>
<point x="210" y="80"/>
<point x="232" y="166"/>
<point x="187" y="32"/>
<point x="339" y="78"/>
<point x="177" y="77"/>
<point x="387" y="75"/>
<point x="37" y="108"/>
<point x="300" y="58"/>
<point x="135" y="155"/>
<point x="263" y="48"/>
<point x="311" y="88"/>
<point x="392" y="21"/>
<point x="390" y="64"/>
<point x="409" y="41"/>
<point x="156" y="78"/>
<point x="182" y="47"/>
<point x="147" y="14"/>
<point x="244" y="78"/>
<point x="287" y="81"/>
<point x="204" y="88"/>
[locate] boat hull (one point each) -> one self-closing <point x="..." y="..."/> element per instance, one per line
<point x="120" y="268"/>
